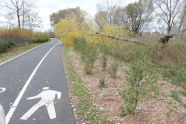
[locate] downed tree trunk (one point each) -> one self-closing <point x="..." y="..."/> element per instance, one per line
<point x="118" y="38"/>
<point x="166" y="38"/>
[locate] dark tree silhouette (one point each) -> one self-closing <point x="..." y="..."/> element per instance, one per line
<point x="166" y="38"/>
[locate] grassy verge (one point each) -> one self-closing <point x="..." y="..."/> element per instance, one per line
<point x="16" y="51"/>
<point x="85" y="107"/>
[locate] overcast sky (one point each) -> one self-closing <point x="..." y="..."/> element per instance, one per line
<point x="47" y="7"/>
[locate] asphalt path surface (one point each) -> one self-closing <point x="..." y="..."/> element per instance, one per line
<point x="33" y="87"/>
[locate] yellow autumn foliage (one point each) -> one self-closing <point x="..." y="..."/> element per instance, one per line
<point x="112" y="30"/>
<point x="69" y="29"/>
<point x="115" y="30"/>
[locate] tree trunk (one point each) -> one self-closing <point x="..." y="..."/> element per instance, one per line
<point x="23" y="18"/>
<point x="168" y="29"/>
<point x="119" y="38"/>
<point x="18" y="20"/>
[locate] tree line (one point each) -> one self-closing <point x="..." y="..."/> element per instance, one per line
<point x="23" y="13"/>
<point x="169" y="15"/>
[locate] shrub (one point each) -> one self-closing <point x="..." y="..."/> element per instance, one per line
<point x="19" y="36"/>
<point x="114" y="68"/>
<point x="89" y="57"/>
<point x="41" y="39"/>
<point x="80" y="45"/>
<point x="141" y="80"/>
<point x="22" y="36"/>
<point x="104" y="63"/>
<point x="175" y="96"/>
<point x="131" y="96"/>
<point x="5" y="45"/>
<point x="87" y="52"/>
<point x="103" y="49"/>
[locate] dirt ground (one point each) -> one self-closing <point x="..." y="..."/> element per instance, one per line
<point x="156" y="109"/>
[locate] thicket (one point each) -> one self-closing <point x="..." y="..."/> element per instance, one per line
<point x="170" y="61"/>
<point x="19" y="37"/>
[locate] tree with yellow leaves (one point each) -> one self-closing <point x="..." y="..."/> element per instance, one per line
<point x="69" y="29"/>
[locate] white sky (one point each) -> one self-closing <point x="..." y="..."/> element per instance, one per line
<point x="47" y="7"/>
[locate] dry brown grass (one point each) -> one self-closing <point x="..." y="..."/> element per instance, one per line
<point x="20" y="36"/>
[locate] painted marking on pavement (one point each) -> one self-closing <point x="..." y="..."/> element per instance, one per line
<point x="16" y="102"/>
<point x="47" y="97"/>
<point x="2" y="89"/>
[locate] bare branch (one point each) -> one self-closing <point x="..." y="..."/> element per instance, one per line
<point x="168" y="11"/>
<point x="22" y="11"/>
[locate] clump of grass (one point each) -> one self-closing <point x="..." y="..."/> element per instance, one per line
<point x="180" y="77"/>
<point x="113" y="69"/>
<point x="174" y="72"/>
<point x="142" y="81"/>
<point x="102" y="82"/>
<point x="104" y="63"/>
<point x="175" y="96"/>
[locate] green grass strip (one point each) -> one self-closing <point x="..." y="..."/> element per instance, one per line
<point x="85" y="107"/>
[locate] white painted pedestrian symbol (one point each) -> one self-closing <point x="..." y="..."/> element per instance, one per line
<point x="47" y="99"/>
<point x="2" y="89"/>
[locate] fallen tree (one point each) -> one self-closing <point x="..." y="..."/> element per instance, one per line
<point x="118" y="38"/>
